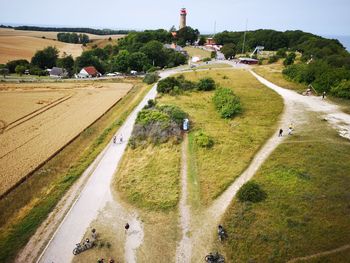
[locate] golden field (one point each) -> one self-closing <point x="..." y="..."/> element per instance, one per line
<point x="37" y="120"/>
<point x="21" y="44"/>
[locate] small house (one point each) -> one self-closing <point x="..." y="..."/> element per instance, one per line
<point x="88" y="72"/>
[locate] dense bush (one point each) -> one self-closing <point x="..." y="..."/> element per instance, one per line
<point x="206" y="59"/>
<point x="206" y="84"/>
<point x="342" y="90"/>
<point x="175" y="85"/>
<point x="151" y="78"/>
<point x="289" y="59"/>
<point x="157" y="124"/>
<point x="11" y="65"/>
<point x="251" y="192"/>
<point x="273" y="59"/>
<point x="226" y="103"/>
<point x="203" y="140"/>
<point x="73" y="38"/>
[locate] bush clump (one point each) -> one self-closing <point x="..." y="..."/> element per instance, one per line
<point x="203" y="140"/>
<point x="251" y="192"/>
<point x="157" y="124"/>
<point x="206" y="84"/>
<point x="151" y="78"/>
<point x="342" y="90"/>
<point x="226" y="103"/>
<point x="176" y="85"/>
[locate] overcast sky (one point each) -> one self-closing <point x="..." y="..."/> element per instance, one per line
<point x="324" y="17"/>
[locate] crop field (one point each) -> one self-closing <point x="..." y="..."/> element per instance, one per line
<point x="18" y="44"/>
<point x="37" y="121"/>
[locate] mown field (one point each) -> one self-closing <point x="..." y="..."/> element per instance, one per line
<point x="23" y="210"/>
<point x="236" y="141"/>
<point x="39" y="119"/>
<point x="197" y="52"/>
<point x="307" y="206"/>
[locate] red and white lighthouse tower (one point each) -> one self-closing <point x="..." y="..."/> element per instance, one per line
<point x="183" y="14"/>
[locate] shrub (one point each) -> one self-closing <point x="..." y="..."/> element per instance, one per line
<point x="148" y="116"/>
<point x="226" y="103"/>
<point x="174" y="112"/>
<point x="342" y="90"/>
<point x="175" y="85"/>
<point x="281" y="53"/>
<point x="206" y="59"/>
<point x="151" y="78"/>
<point x="273" y="59"/>
<point x="203" y="140"/>
<point x="167" y="84"/>
<point x="289" y="59"/>
<point x="150" y="104"/>
<point x="251" y="192"/>
<point x="206" y="84"/>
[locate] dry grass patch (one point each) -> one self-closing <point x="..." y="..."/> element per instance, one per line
<point x="149" y="177"/>
<point x="236" y="141"/>
<point x="197" y="52"/>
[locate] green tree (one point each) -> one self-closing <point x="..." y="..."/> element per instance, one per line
<point x="229" y="50"/>
<point x="120" y="62"/>
<point x="206" y="84"/>
<point x="11" y="65"/>
<point x="187" y="35"/>
<point x="45" y="58"/>
<point x="67" y="63"/>
<point x="139" y="61"/>
<point x="202" y="40"/>
<point x="289" y="59"/>
<point x="154" y="50"/>
<point x="20" y="69"/>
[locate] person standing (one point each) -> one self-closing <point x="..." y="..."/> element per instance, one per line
<point x="323" y="95"/>
<point x="114" y="139"/>
<point x="280" y="134"/>
<point x="127" y="226"/>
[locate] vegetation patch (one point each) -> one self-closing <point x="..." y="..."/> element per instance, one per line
<point x="236" y="140"/>
<point x="177" y="85"/>
<point x="227" y="103"/>
<point x="203" y="140"/>
<point x="157" y="124"/>
<point x="251" y="192"/>
<point x="151" y="78"/>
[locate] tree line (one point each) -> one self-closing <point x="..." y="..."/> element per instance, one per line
<point x="73" y="38"/>
<point x="71" y="29"/>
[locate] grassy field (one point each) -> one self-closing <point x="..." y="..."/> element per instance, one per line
<point x="211" y="171"/>
<point x="23" y="210"/>
<point x="49" y="117"/>
<point x="149" y="177"/>
<point x="307" y="207"/>
<point x="197" y="52"/>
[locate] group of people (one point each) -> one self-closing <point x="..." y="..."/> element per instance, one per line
<point x="115" y="139"/>
<point x="290" y="130"/>
<point x="101" y="260"/>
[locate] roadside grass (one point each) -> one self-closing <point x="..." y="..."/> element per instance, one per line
<point x="197" y="52"/>
<point x="148" y="176"/>
<point x="236" y="141"/>
<point x="27" y="206"/>
<point x="307" y="207"/>
<point x="273" y="73"/>
<point x="212" y="66"/>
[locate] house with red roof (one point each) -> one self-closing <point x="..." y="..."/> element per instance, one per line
<point x="88" y="72"/>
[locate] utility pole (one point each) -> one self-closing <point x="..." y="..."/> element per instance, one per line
<point x="245" y="33"/>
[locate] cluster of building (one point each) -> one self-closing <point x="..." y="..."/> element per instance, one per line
<point x="86" y="72"/>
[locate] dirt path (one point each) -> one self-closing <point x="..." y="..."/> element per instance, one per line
<point x="183" y="251"/>
<point x="321" y="254"/>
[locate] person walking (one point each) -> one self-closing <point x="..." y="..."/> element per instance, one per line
<point x="114" y="139"/>
<point x="280" y="134"/>
<point x="323" y="95"/>
<point x="290" y="129"/>
<point x="121" y="138"/>
<point x="127" y="226"/>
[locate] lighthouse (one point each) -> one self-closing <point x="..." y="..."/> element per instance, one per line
<point x="183" y="14"/>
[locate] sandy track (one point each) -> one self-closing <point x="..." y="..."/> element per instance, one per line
<point x="31" y="142"/>
<point x="183" y="251"/>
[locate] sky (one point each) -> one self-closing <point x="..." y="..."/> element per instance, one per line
<point x="322" y="17"/>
